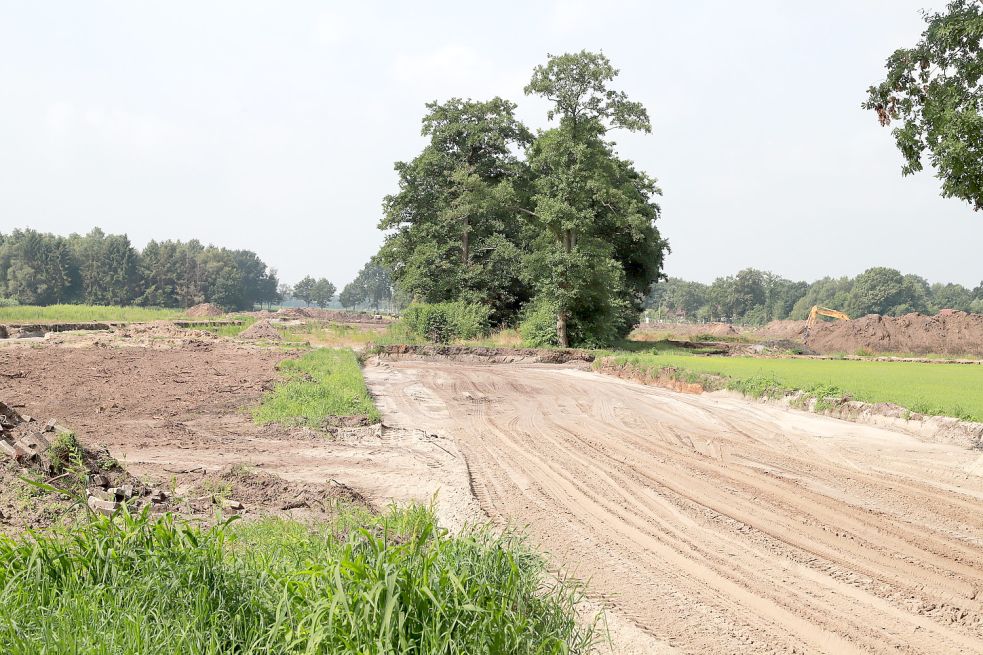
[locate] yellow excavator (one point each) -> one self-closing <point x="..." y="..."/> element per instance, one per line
<point x="818" y="311"/>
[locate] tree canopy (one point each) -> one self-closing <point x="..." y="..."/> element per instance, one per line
<point x="552" y="224"/>
<point x="932" y="90"/>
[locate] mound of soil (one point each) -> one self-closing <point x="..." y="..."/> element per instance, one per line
<point x="259" y="491"/>
<point x="785" y="330"/>
<point x="204" y="309"/>
<point x="690" y="330"/>
<point x="261" y="330"/>
<point x="952" y="333"/>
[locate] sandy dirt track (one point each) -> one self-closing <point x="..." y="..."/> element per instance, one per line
<point x="715" y="524"/>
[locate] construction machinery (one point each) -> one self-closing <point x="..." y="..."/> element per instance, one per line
<point x="818" y="311"/>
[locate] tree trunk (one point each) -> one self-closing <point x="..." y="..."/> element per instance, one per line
<point x="561" y="330"/>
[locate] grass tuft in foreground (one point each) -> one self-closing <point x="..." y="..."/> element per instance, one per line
<point x="391" y="584"/>
<point x="320" y="384"/>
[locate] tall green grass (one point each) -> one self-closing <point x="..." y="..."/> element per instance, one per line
<point x="320" y="384"/>
<point x="394" y="584"/>
<point x="83" y="313"/>
<point x="927" y="388"/>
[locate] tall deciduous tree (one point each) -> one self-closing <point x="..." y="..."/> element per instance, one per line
<point x="933" y="91"/>
<point x="454" y="223"/>
<point x="597" y="249"/>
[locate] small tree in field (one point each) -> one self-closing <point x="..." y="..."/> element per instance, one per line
<point x="305" y="290"/>
<point x="322" y="293"/>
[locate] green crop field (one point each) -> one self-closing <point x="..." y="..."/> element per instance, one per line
<point x="83" y="313"/>
<point x="927" y="388"/>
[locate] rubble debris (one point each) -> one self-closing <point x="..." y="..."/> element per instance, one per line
<point x="106" y="507"/>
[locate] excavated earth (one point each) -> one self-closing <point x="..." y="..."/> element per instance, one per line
<point x="713" y="524"/>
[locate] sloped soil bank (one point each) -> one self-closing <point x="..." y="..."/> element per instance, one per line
<point x="480" y="354"/>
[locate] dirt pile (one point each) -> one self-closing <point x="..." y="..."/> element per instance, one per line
<point x="204" y="309"/>
<point x="952" y="333"/>
<point x="260" y="330"/>
<point x="781" y="330"/>
<point x="688" y="330"/>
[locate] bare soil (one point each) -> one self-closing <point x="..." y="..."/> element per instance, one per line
<point x="204" y="309"/>
<point x="173" y="410"/>
<point x="952" y="333"/>
<point x="261" y="330"/>
<point x="713" y="524"/>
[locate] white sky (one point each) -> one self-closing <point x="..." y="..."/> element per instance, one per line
<point x="273" y="126"/>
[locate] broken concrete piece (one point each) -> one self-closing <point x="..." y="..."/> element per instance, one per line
<point x="50" y="426"/>
<point x="126" y="491"/>
<point x="102" y="494"/>
<point x="231" y="504"/>
<point x="158" y="496"/>
<point x="98" y="480"/>
<point x="107" y="507"/>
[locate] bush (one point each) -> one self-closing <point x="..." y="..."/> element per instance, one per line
<point x="538" y="327"/>
<point x="447" y="321"/>
<point x="8" y="302"/>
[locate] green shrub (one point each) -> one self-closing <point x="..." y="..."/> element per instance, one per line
<point x="361" y="584"/>
<point x="8" y="302"/>
<point x="538" y="327"/>
<point x="447" y="321"/>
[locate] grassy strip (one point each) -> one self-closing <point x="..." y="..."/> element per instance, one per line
<point x="926" y="388"/>
<point x="83" y="313"/>
<point x="390" y="584"/>
<point x="320" y="384"/>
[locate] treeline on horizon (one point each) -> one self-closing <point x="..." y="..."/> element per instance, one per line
<point x="105" y="269"/>
<point x="756" y="297"/>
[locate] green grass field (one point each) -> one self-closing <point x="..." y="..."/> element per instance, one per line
<point x="321" y="383"/>
<point x="361" y="584"/>
<point x="936" y="389"/>
<point x="83" y="314"/>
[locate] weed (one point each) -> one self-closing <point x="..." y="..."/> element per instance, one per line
<point x="320" y="384"/>
<point x="395" y="583"/>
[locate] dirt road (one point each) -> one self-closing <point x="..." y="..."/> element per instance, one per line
<point x="715" y="524"/>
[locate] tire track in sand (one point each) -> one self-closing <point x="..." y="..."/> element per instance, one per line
<point x="714" y="524"/>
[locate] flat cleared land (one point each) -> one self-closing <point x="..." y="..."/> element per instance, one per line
<point x="929" y="388"/>
<point x="715" y="524"/>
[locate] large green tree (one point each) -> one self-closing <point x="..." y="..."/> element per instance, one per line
<point x="454" y="224"/>
<point x="596" y="249"/>
<point x="932" y="91"/>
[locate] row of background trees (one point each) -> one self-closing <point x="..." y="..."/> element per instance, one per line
<point x="756" y="297"/>
<point x="105" y="269"/>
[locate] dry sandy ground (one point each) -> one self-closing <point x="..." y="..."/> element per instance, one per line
<point x="176" y="412"/>
<point x="715" y="524"/>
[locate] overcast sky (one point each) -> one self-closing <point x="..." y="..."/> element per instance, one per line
<point x="274" y="126"/>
